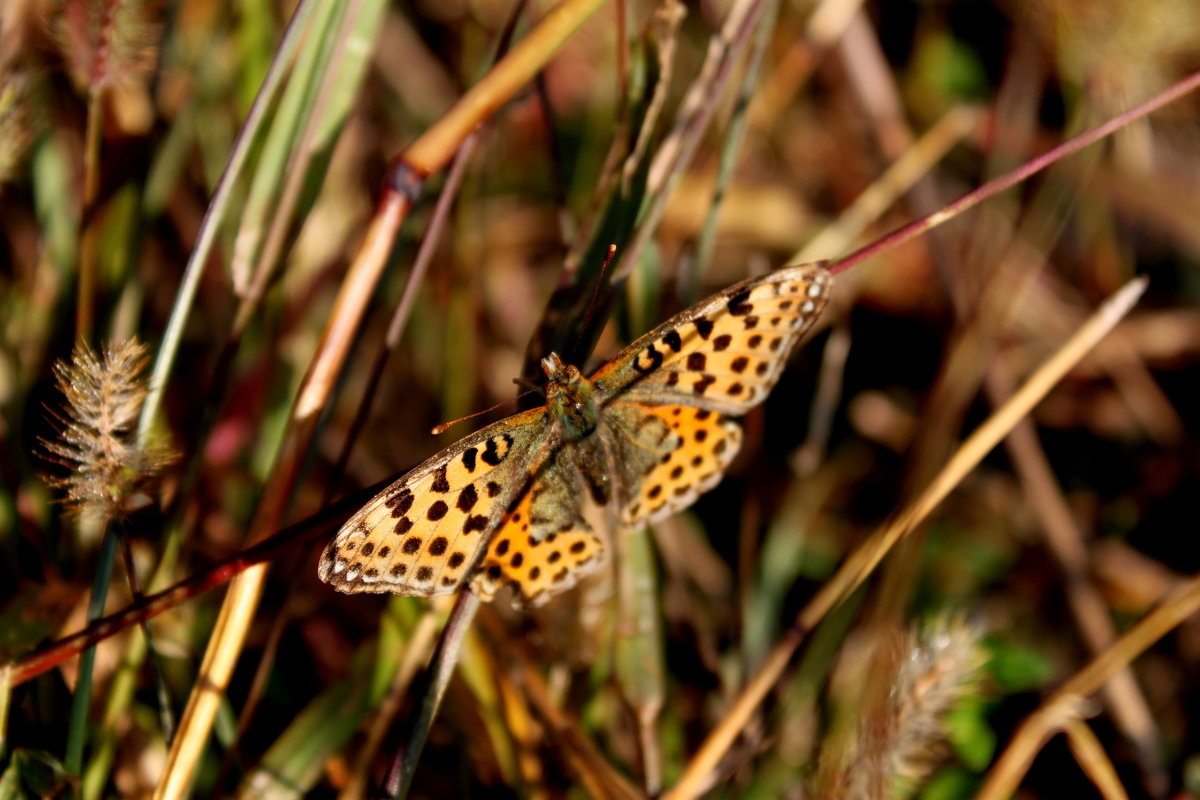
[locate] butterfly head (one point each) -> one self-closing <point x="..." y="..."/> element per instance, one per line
<point x="570" y="397"/>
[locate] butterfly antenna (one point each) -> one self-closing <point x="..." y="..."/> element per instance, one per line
<point x="591" y="309"/>
<point x="445" y="426"/>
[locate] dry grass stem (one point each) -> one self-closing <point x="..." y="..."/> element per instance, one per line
<point x="859" y="566"/>
<point x="1064" y="704"/>
<point x="1094" y="761"/>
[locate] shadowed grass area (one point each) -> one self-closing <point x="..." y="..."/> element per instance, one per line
<point x="957" y="534"/>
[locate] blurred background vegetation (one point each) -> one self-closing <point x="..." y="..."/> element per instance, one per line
<point x="117" y="120"/>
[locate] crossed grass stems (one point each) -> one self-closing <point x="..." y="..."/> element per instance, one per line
<point x="453" y="134"/>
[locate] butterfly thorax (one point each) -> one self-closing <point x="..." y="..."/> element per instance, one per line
<point x="570" y="398"/>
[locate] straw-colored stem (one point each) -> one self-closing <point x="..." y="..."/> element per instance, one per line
<point x="408" y="298"/>
<point x="1095" y="762"/>
<point x="1062" y="706"/>
<point x="1065" y="542"/>
<point x="915" y="164"/>
<point x="437" y="146"/>
<point x="868" y="556"/>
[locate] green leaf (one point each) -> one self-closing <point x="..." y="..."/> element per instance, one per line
<point x="949" y="784"/>
<point x="969" y="734"/>
<point x="1016" y="668"/>
<point x="32" y="774"/>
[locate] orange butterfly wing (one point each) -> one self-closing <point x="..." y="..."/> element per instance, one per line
<point x="422" y="534"/>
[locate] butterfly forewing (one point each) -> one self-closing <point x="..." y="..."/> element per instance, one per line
<point x="725" y="353"/>
<point x="420" y="536"/>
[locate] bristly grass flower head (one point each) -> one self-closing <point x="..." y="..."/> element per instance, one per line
<point x="109" y="42"/>
<point x="902" y="731"/>
<point x="97" y="437"/>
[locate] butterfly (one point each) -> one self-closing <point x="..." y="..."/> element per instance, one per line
<point x="640" y="439"/>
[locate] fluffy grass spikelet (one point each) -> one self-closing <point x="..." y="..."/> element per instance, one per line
<point x="97" y="439"/>
<point x="901" y="737"/>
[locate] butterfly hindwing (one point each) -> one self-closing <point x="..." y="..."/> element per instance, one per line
<point x="724" y="353"/>
<point x="688" y="459"/>
<point x="420" y="536"/>
<point x="544" y="545"/>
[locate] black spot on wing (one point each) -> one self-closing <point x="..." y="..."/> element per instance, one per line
<point x="673" y="341"/>
<point x="400" y="502"/>
<point x="467" y="498"/>
<point x="468" y="458"/>
<point x="652" y="360"/>
<point x="703" y="327"/>
<point x="737" y="305"/>
<point x="491" y="454"/>
<point x="440" y="484"/>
